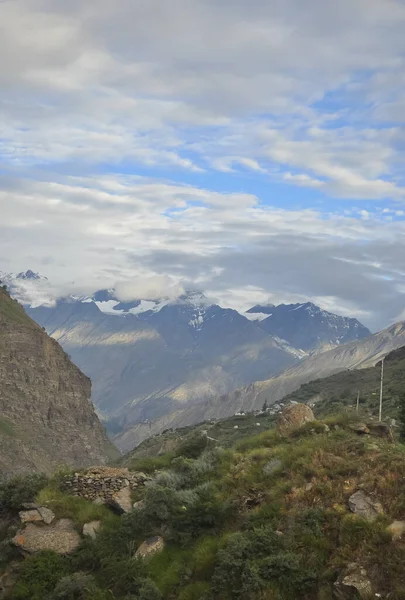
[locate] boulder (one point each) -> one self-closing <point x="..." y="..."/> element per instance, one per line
<point x="37" y="515"/>
<point x="150" y="546"/>
<point x="360" y="428"/>
<point x="90" y="529"/>
<point x="61" y="537"/>
<point x="122" y="500"/>
<point x="364" y="506"/>
<point x="397" y="529"/>
<point x="380" y="430"/>
<point x="30" y="516"/>
<point x="293" y="417"/>
<point x="353" y="583"/>
<point x="139" y="505"/>
<point x="46" y="514"/>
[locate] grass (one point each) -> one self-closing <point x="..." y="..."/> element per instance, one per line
<point x="12" y="311"/>
<point x="7" y="428"/>
<point x="236" y="529"/>
<point x="80" y="510"/>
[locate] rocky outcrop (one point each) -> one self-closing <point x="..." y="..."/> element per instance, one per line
<point x="61" y="537"/>
<point x="91" y="529"/>
<point x="46" y="416"/>
<point x="354" y="583"/>
<point x="364" y="506"/>
<point x="150" y="546"/>
<point x="105" y="485"/>
<point x="293" y="417"/>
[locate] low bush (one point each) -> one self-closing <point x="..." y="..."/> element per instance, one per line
<point x="18" y="490"/>
<point x="39" y="576"/>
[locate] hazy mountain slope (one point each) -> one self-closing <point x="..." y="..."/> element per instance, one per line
<point x="308" y="327"/>
<point x="331" y="394"/>
<point x="46" y="416"/>
<point x="356" y="355"/>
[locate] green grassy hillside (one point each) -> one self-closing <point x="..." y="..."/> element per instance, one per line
<point x="267" y="518"/>
<point x="12" y="312"/>
<point x="332" y="394"/>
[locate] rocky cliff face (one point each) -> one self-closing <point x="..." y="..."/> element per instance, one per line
<point x="46" y="417"/>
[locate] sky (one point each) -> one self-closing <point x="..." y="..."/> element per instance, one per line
<point x="255" y="150"/>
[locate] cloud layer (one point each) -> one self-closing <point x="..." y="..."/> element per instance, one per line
<point x="255" y="150"/>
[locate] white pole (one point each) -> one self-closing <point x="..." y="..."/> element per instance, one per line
<point x="357" y="402"/>
<point x="381" y="391"/>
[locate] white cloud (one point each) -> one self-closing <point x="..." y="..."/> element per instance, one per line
<point x="309" y="95"/>
<point x="148" y="288"/>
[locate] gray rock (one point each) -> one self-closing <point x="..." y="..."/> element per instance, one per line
<point x="150" y="546"/>
<point x="354" y="583"/>
<point x="397" y="529"/>
<point x="380" y="430"/>
<point x="90" y="529"/>
<point x="30" y="516"/>
<point x="122" y="501"/>
<point x="360" y="428"/>
<point x="46" y="514"/>
<point x="61" y="537"/>
<point x="139" y="505"/>
<point x="364" y="506"/>
<point x="293" y="417"/>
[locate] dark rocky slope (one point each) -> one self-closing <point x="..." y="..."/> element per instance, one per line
<point x="46" y="416"/>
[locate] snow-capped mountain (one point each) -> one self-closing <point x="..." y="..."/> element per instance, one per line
<point x="308" y="327"/>
<point x="151" y="357"/>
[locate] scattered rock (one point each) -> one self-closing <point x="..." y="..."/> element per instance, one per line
<point x="46" y="514"/>
<point x="364" y="506"/>
<point x="293" y="417"/>
<point x="139" y="505"/>
<point x="397" y="529"/>
<point x="308" y="487"/>
<point x="122" y="500"/>
<point x="380" y="430"/>
<point x="90" y="529"/>
<point x="29" y="505"/>
<point x="353" y="583"/>
<point x="272" y="466"/>
<point x="360" y="428"/>
<point x="30" y="516"/>
<point x="99" y="501"/>
<point x="37" y="515"/>
<point x="150" y="546"/>
<point x="61" y="537"/>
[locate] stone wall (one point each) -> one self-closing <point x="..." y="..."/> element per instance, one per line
<point x="102" y="483"/>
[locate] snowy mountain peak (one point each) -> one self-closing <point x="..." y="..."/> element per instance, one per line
<point x="30" y="275"/>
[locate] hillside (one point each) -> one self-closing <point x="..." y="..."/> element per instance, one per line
<point x="46" y="416"/>
<point x="333" y="393"/>
<point x="313" y="515"/>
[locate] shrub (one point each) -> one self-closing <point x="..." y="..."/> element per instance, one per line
<point x="18" y="490"/>
<point x="193" y="446"/>
<point x="78" y="586"/>
<point x="39" y="576"/>
<point x="195" y="591"/>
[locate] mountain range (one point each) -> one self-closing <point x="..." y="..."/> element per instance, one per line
<point x="152" y="359"/>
